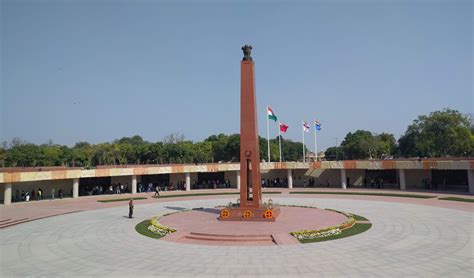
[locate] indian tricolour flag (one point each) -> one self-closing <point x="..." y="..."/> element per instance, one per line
<point x="270" y="114"/>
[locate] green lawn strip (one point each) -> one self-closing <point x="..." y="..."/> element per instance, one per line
<point x="356" y="217"/>
<point x="359" y="218"/>
<point x="457" y="199"/>
<point x="142" y="228"/>
<point x="121" y="200"/>
<point x="354" y="230"/>
<point x="208" y="194"/>
<point x="368" y="194"/>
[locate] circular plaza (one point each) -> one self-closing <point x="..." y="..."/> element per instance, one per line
<point x="422" y="237"/>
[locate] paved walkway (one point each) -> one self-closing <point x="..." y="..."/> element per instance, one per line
<point x="406" y="239"/>
<point x="27" y="211"/>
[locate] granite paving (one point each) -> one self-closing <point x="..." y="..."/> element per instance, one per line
<point x="406" y="239"/>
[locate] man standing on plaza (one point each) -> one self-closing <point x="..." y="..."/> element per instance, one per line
<point x="130" y="209"/>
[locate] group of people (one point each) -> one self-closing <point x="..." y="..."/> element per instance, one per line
<point x="181" y="185"/>
<point x="283" y="182"/>
<point x="374" y="182"/>
<point x="211" y="184"/>
<point x="26" y="196"/>
<point x="115" y="188"/>
<point x="276" y="182"/>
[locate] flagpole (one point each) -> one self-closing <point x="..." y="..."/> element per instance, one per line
<point x="268" y="136"/>
<point x="279" y="138"/>
<point x="304" y="154"/>
<point x="315" y="144"/>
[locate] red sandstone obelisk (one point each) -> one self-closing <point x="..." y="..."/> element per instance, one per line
<point x="251" y="207"/>
<point x="250" y="184"/>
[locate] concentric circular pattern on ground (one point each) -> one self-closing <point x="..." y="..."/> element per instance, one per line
<point x="405" y="239"/>
<point x="205" y="221"/>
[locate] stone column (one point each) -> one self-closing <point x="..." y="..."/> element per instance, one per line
<point x="401" y="178"/>
<point x="238" y="180"/>
<point x="134" y="184"/>
<point x="188" y="181"/>
<point x="470" y="180"/>
<point x="7" y="195"/>
<point x="75" y="188"/>
<point x="343" y="179"/>
<point x="290" y="178"/>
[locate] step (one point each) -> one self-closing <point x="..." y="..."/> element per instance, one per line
<point x="227" y="236"/>
<point x="226" y="243"/>
<point x="13" y="222"/>
<point x="24" y="220"/>
<point x="285" y="239"/>
<point x="230" y="238"/>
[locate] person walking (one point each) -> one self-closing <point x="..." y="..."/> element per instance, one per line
<point x="130" y="209"/>
<point x="157" y="191"/>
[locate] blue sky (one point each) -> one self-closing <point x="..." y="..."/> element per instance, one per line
<point x="100" y="70"/>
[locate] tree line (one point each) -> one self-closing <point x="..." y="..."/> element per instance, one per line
<point x="439" y="134"/>
<point x="134" y="150"/>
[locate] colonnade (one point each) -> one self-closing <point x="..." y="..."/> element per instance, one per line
<point x="401" y="173"/>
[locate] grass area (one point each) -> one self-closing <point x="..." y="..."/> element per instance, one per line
<point x="367" y="194"/>
<point x="121" y="200"/>
<point x="209" y="194"/>
<point x="354" y="230"/>
<point x="356" y="217"/>
<point x="142" y="228"/>
<point x="359" y="218"/>
<point x="457" y="199"/>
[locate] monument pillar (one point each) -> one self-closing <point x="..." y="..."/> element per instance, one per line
<point x="343" y="179"/>
<point x="401" y="177"/>
<point x="75" y="188"/>
<point x="238" y="179"/>
<point x="7" y="195"/>
<point x="290" y="178"/>
<point x="134" y="184"/>
<point x="250" y="193"/>
<point x="188" y="181"/>
<point x="250" y="207"/>
<point x="470" y="180"/>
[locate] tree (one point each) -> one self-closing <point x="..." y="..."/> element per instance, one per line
<point x="387" y="145"/>
<point x="24" y="155"/>
<point x="274" y="149"/>
<point x="83" y="154"/>
<point x="333" y="153"/>
<point x="3" y="156"/>
<point x="441" y="133"/>
<point x="233" y="147"/>
<point x="359" y="145"/>
<point x="202" y="152"/>
<point x="219" y="143"/>
<point x="291" y="151"/>
<point x="51" y="155"/>
<point x="173" y="138"/>
<point x="157" y="153"/>
<point x="362" y="144"/>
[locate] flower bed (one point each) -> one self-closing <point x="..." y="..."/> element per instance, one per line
<point x="156" y="228"/>
<point x="325" y="232"/>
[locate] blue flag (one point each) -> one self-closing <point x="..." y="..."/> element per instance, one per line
<point x="317" y="125"/>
